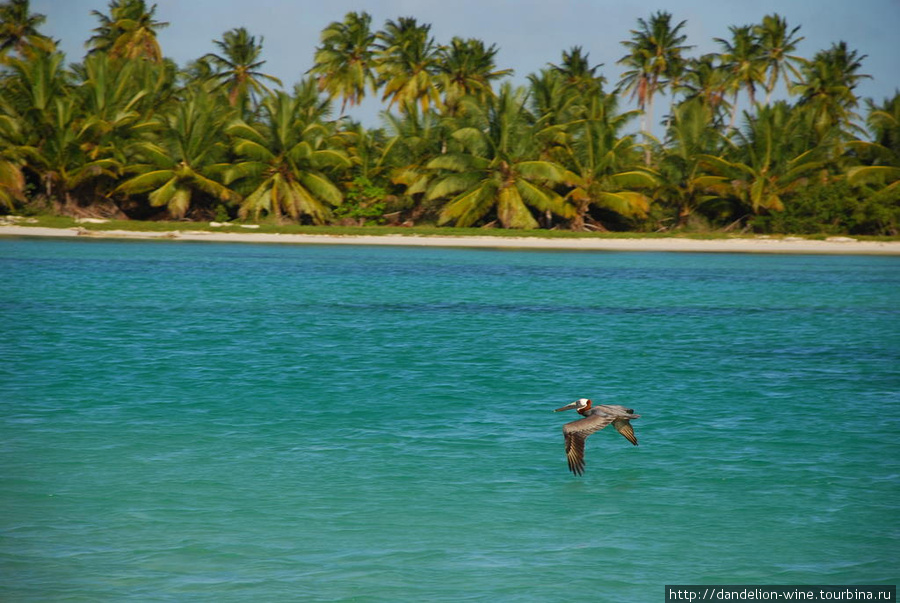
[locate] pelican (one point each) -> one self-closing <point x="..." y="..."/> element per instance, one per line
<point x="595" y="418"/>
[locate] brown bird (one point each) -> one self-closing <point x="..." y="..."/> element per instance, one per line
<point x="595" y="418"/>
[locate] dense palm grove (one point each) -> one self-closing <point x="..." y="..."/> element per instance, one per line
<point x="126" y="133"/>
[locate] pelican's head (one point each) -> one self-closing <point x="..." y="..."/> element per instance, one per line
<point x="579" y="405"/>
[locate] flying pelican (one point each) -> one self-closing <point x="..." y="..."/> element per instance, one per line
<point x="595" y="418"/>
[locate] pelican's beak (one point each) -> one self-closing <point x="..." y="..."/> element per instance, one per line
<point x="567" y="407"/>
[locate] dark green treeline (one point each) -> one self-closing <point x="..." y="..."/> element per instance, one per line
<point x="126" y="133"/>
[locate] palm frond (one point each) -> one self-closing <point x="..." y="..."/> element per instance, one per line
<point x="146" y="182"/>
<point x="468" y="208"/>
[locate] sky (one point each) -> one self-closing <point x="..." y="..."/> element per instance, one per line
<point x="529" y="33"/>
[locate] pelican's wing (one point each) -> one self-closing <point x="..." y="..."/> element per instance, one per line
<point x="575" y="433"/>
<point x="624" y="427"/>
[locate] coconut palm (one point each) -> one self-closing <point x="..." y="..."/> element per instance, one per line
<point x="601" y="164"/>
<point x="496" y="167"/>
<point x="32" y="85"/>
<point x="678" y="73"/>
<point x="654" y="51"/>
<point x="47" y="138"/>
<point x="777" y="44"/>
<point x="128" y="32"/>
<point x="366" y="150"/>
<point x="12" y="159"/>
<point x="115" y="106"/>
<point x="707" y="81"/>
<point x="408" y="64"/>
<point x="554" y="106"/>
<point x="882" y="154"/>
<point x="312" y="105"/>
<point x="236" y="69"/>
<point x="467" y="68"/>
<point x="19" y="28"/>
<point x="58" y="158"/>
<point x="884" y="122"/>
<point x="344" y="61"/>
<point x="827" y="87"/>
<point x="187" y="159"/>
<point x="285" y="162"/>
<point x="686" y="184"/>
<point x="550" y="103"/>
<point x="770" y="159"/>
<point x="742" y="58"/>
<point x="577" y="73"/>
<point x="414" y="139"/>
<point x="116" y="101"/>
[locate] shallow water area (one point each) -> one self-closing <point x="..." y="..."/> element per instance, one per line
<point x="206" y="421"/>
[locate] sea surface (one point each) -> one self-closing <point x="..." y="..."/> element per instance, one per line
<point x="237" y="422"/>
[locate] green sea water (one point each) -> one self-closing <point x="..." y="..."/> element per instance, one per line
<point x="235" y="422"/>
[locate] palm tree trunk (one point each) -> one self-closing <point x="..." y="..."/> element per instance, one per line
<point x="683" y="214"/>
<point x="580" y="212"/>
<point x="671" y="112"/>
<point x="648" y="123"/>
<point x="734" y="109"/>
<point x="770" y="85"/>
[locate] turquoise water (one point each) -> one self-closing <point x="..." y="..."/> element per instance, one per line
<point x="213" y="422"/>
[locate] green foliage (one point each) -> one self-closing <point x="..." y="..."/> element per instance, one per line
<point x="495" y="170"/>
<point x="125" y="133"/>
<point x="345" y="59"/>
<point x="237" y="68"/>
<point x="834" y="208"/>
<point x="284" y="158"/>
<point x="363" y="201"/>
<point x="128" y="31"/>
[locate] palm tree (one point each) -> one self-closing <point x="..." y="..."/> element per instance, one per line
<point x="654" y="51"/>
<point x="285" y="162"/>
<point x="827" y="88"/>
<point x="312" y="105"/>
<point x="12" y="159"/>
<point x="882" y="154"/>
<point x="678" y="73"/>
<point x="128" y="32"/>
<point x="601" y="164"/>
<point x="467" y="68"/>
<point x="408" y="64"/>
<point x="551" y="105"/>
<point x="742" y="57"/>
<point x="577" y="72"/>
<point x="19" y="27"/>
<point x="56" y="156"/>
<point x="414" y="140"/>
<point x="115" y="106"/>
<point x="43" y="133"/>
<point x="770" y="158"/>
<point x="495" y="168"/>
<point x="685" y="183"/>
<point x="236" y="69"/>
<point x="366" y="150"/>
<point x="707" y="81"/>
<point x="344" y="61"/>
<point x="63" y="160"/>
<point x="32" y="85"/>
<point x="776" y="45"/>
<point x="188" y="159"/>
<point x="884" y="122"/>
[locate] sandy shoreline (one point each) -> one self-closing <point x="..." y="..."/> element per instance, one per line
<point x="834" y="245"/>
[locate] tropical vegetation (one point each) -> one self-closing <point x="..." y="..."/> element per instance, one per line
<point x="755" y="137"/>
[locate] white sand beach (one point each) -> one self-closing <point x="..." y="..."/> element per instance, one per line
<point x="759" y="244"/>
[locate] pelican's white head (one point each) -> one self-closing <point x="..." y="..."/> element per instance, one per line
<point x="580" y="404"/>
